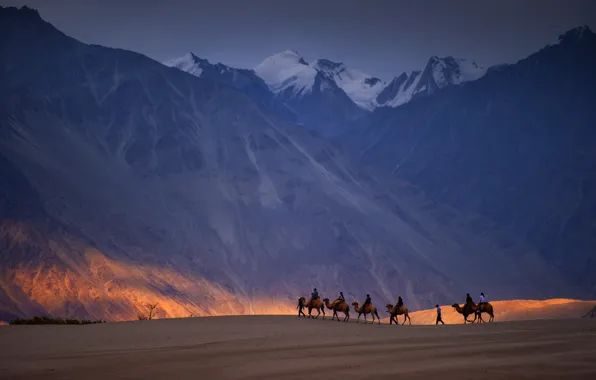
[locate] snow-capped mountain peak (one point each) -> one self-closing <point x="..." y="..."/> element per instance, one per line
<point x="287" y="70"/>
<point x="190" y="63"/>
<point x="437" y="74"/>
<point x="360" y="87"/>
<point x="449" y="71"/>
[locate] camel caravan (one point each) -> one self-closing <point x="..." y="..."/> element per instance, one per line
<point x="340" y="305"/>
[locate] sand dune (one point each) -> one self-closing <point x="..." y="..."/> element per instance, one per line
<point x="285" y="347"/>
<point x="512" y="310"/>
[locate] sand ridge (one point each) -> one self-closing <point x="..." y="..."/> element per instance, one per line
<point x="509" y="310"/>
<point x="276" y="347"/>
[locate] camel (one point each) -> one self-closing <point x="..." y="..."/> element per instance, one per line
<point x="370" y="309"/>
<point x="336" y="306"/>
<point x="484" y="308"/>
<point x="394" y="312"/>
<point x="472" y="308"/>
<point x="316" y="304"/>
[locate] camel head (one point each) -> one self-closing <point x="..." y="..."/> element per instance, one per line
<point x="389" y="308"/>
<point x="355" y="304"/>
<point x="455" y="305"/>
<point x="326" y="300"/>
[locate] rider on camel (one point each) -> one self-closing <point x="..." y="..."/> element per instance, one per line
<point x="341" y="298"/>
<point x="367" y="302"/>
<point x="469" y="299"/>
<point x="400" y="302"/>
<point x="482" y="300"/>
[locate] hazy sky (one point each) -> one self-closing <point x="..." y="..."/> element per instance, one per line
<point x="380" y="37"/>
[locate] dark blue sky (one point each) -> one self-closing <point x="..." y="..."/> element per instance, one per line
<point x="381" y="37"/>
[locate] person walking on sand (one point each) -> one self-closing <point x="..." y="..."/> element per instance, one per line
<point x="439" y="317"/>
<point x="299" y="307"/>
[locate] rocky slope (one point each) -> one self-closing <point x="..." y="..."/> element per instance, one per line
<point x="126" y="182"/>
<point x="438" y="73"/>
<point x="243" y="80"/>
<point x="360" y="87"/>
<point x="516" y="146"/>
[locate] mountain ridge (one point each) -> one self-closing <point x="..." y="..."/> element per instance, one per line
<point x="134" y="183"/>
<point x="533" y="150"/>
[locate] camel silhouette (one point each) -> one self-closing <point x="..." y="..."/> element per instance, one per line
<point x="394" y="311"/>
<point x="316" y="304"/>
<point x="369" y="309"/>
<point x="472" y="308"/>
<point x="338" y="305"/>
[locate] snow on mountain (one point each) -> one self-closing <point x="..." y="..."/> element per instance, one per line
<point x="312" y="94"/>
<point x="289" y="73"/>
<point x="360" y="87"/>
<point x="189" y="63"/>
<point x="438" y="73"/>
<point x="287" y="70"/>
<point x="243" y="80"/>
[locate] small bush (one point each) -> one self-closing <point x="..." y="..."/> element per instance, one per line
<point x="43" y="320"/>
<point x="150" y="312"/>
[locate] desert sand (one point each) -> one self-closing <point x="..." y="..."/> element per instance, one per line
<point x="287" y="347"/>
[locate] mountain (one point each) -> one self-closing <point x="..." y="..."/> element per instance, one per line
<point x="127" y="182"/>
<point x="516" y="146"/>
<point x="438" y="73"/>
<point x="320" y="103"/>
<point x="241" y="79"/>
<point x="360" y="87"/>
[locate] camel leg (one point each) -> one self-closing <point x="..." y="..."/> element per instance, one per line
<point x="480" y="320"/>
<point x="378" y="318"/>
<point x="365" y="321"/>
<point x="323" y="310"/>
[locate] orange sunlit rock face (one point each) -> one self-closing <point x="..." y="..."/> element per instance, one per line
<point x="94" y="286"/>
